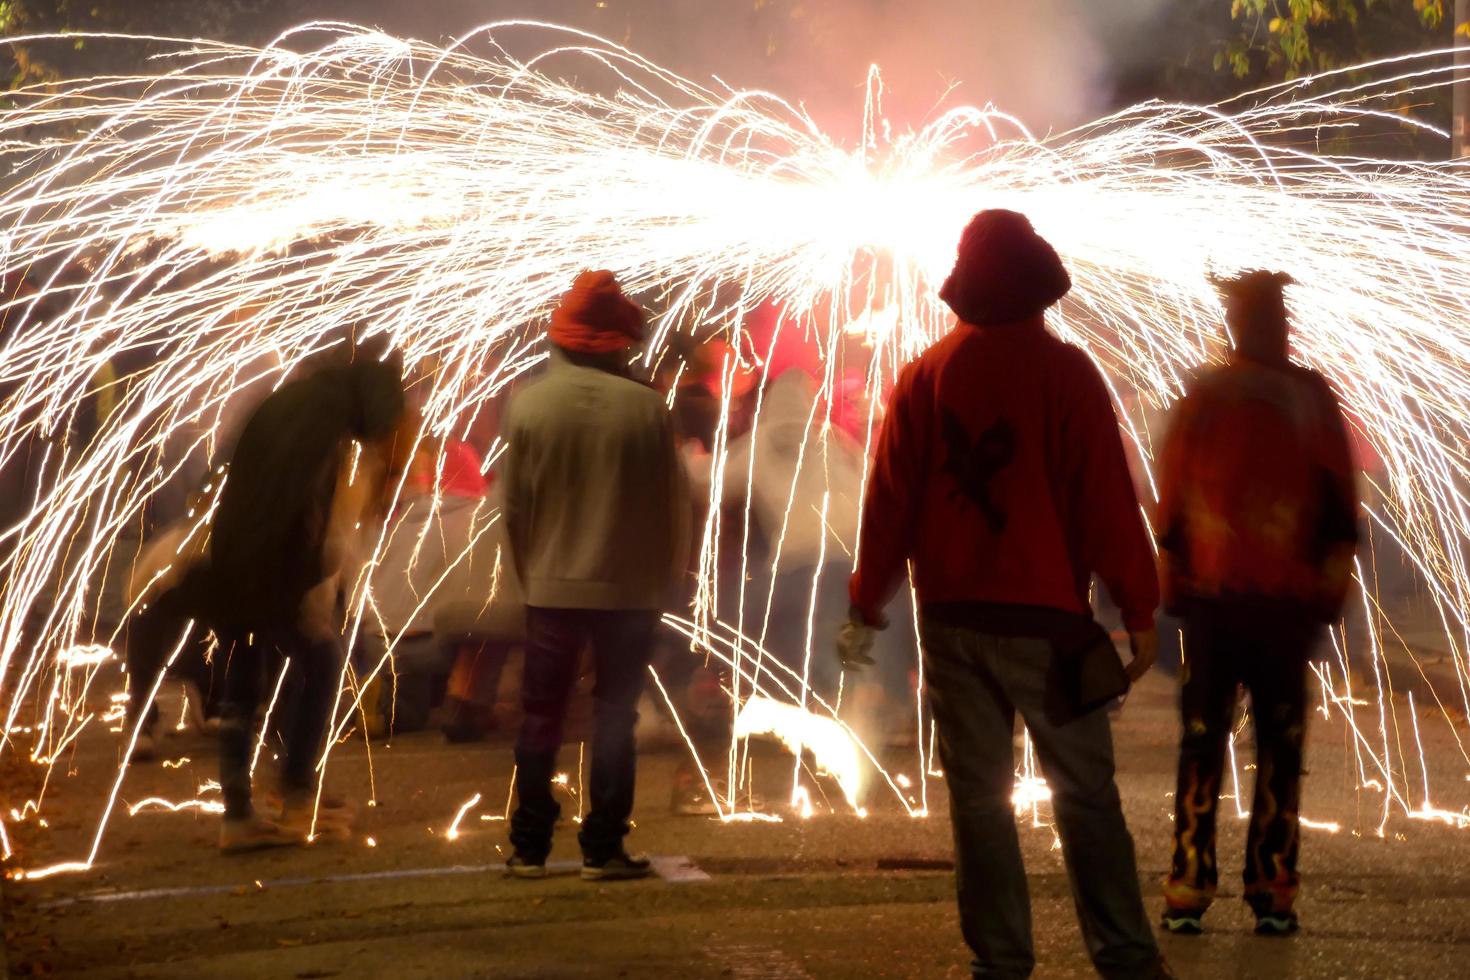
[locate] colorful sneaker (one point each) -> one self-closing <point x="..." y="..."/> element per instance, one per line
<point x="520" y="866"/>
<point x="1277" y="923"/>
<point x="1184" y="922"/>
<point x="620" y="867"/>
<point x="256" y="833"/>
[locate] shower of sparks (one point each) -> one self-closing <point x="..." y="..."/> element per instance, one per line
<point x="206" y="229"/>
<point x="833" y="747"/>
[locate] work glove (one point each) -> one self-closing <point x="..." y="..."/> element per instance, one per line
<point x="855" y="645"/>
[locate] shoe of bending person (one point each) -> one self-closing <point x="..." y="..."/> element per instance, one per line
<point x="333" y="816"/>
<point x="256" y="833"/>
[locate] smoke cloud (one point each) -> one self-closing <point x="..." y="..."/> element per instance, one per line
<point x="1049" y="62"/>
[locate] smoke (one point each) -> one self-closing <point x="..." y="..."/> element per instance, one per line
<point x="1050" y="62"/>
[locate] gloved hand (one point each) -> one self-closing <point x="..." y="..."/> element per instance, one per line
<point x="855" y="645"/>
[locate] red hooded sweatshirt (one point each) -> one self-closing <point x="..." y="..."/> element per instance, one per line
<point x="1000" y="474"/>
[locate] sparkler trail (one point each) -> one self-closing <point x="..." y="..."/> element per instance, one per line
<point x="214" y="225"/>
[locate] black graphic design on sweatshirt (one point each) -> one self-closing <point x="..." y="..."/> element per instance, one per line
<point x="975" y="465"/>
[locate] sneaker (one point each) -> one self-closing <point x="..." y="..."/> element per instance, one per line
<point x="1184" y="922"/>
<point x="256" y="833"/>
<point x="1277" y="924"/>
<point x="692" y="799"/>
<point x="520" y="866"/>
<point x="334" y="816"/>
<point x="620" y="867"/>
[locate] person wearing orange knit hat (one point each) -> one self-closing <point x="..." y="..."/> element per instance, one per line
<point x="594" y="317"/>
<point x="597" y="513"/>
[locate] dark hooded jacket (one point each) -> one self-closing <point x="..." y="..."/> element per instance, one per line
<point x="1000" y="475"/>
<point x="268" y="534"/>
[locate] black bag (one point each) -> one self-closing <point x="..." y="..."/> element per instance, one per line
<point x="1085" y="674"/>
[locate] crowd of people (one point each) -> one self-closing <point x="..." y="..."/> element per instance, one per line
<point x="1000" y="489"/>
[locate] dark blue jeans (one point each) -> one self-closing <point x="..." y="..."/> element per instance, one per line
<point x="976" y="684"/>
<point x="302" y="717"/>
<point x="622" y="645"/>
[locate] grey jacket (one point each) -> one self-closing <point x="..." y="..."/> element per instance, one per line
<point x="597" y="505"/>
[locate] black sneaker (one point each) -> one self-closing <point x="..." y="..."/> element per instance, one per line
<point x="520" y="866"/>
<point x="1184" y="922"/>
<point x="620" y="867"/>
<point x="1276" y="923"/>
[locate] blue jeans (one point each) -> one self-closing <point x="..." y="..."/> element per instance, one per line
<point x="976" y="684"/>
<point x="622" y="645"/>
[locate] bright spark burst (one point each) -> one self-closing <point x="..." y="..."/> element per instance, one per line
<point x="243" y="209"/>
<point x="832" y="745"/>
<point x="452" y="832"/>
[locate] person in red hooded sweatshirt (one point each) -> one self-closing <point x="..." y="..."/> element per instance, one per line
<point x="1258" y="524"/>
<point x="1000" y="479"/>
<point x="598" y="515"/>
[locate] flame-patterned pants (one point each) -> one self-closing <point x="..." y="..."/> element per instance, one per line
<point x="1227" y="648"/>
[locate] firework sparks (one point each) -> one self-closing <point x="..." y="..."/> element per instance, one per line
<point x="833" y="746"/>
<point x="159" y="803"/>
<point x="452" y="833"/>
<point x="243" y="209"/>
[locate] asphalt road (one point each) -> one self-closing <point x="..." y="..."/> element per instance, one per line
<point x="832" y="896"/>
